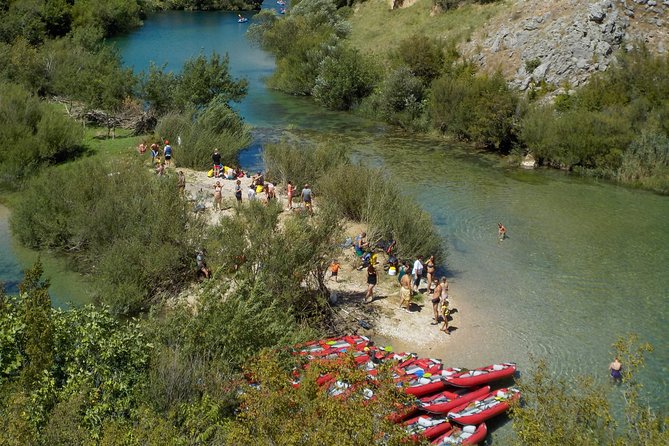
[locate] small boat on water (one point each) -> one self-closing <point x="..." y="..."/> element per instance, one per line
<point x="427" y="426"/>
<point x="241" y="19"/>
<point x="280" y="2"/>
<point x="484" y="408"/>
<point x="482" y="375"/>
<point x="461" y="436"/>
<point x="282" y="11"/>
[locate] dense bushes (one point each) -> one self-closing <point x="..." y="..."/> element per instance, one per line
<point x="593" y="129"/>
<point x="218" y="126"/>
<point x="344" y="77"/>
<point x="476" y="108"/>
<point x="359" y="193"/>
<point x="310" y="59"/>
<point x="118" y="221"/>
<point x="34" y="135"/>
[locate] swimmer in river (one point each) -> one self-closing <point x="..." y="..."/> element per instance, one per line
<point x="501" y="231"/>
<point x="616" y="369"/>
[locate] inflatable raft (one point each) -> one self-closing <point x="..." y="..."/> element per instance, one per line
<point x="460" y="436"/>
<point x="482" y="409"/>
<point x="427" y="426"/>
<point x="482" y="375"/>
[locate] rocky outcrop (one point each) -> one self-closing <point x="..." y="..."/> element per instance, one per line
<point x="563" y="42"/>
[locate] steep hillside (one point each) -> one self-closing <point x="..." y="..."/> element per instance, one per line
<point x="563" y="42"/>
<point x="557" y="43"/>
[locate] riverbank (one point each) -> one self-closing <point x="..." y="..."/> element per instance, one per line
<point x="382" y="319"/>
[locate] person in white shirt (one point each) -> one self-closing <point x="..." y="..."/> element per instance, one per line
<point x="417" y="272"/>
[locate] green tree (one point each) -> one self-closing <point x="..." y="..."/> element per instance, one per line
<point x="38" y="332"/>
<point x="202" y="79"/>
<point x="344" y="78"/>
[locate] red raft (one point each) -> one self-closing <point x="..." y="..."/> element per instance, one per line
<point x="444" y="401"/>
<point x="427" y="426"/>
<point x="482" y="375"/>
<point x="484" y="408"/>
<point x="461" y="436"/>
<point x="439" y="403"/>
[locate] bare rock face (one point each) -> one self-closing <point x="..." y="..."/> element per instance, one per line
<point x="563" y="42"/>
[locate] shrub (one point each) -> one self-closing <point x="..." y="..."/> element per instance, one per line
<point x="344" y="78"/>
<point x="301" y="164"/>
<point x="282" y="258"/>
<point x="119" y="222"/>
<point x="400" y="100"/>
<point x="365" y="194"/>
<point x="480" y="109"/>
<point x="217" y="127"/>
<point x="34" y="135"/>
<point x="576" y="138"/>
<point x="646" y="161"/>
<point x="423" y="55"/>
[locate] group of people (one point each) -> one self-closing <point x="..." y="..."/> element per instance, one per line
<point x="160" y="157"/>
<point x="218" y="170"/>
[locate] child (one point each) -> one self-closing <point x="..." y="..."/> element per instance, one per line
<point x="444" y="313"/>
<point x="334" y="270"/>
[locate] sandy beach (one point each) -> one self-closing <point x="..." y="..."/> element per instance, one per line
<point x="390" y="325"/>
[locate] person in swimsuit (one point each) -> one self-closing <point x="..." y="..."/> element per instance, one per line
<point x="429" y="265"/>
<point x="371" y="282"/>
<point x="238" y="191"/>
<point x="616" y="369"/>
<point x="291" y="191"/>
<point x="501" y="231"/>
<point x="218" y="189"/>
<point x="443" y="300"/>
<point x="405" y="289"/>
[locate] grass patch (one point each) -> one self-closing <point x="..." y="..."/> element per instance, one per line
<point x="107" y="148"/>
<point x="377" y="29"/>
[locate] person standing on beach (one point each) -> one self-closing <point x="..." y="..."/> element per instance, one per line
<point x="307" y="198"/>
<point x="501" y="231"/>
<point x="616" y="369"/>
<point x="371" y="283"/>
<point x="238" y="191"/>
<point x="334" y="270"/>
<point x="216" y="159"/>
<point x="218" y="195"/>
<point x="405" y="291"/>
<point x="439" y="296"/>
<point x="290" y="191"/>
<point x="251" y="192"/>
<point x="417" y="273"/>
<point x="430" y="266"/>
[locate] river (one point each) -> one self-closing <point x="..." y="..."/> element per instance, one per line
<point x="585" y="261"/>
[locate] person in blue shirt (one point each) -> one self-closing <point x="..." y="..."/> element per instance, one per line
<point x="167" y="153"/>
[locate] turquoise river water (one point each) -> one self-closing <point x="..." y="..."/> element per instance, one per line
<point x="585" y="261"/>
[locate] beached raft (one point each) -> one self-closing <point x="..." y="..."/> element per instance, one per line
<point x="443" y="402"/>
<point x="484" y="408"/>
<point x="462" y="436"/>
<point x="428" y="426"/>
<point x="482" y="375"/>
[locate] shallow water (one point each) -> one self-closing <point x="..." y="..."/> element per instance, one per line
<point x="585" y="261"/>
<point x="66" y="287"/>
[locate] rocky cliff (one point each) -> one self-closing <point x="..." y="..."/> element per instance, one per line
<point x="559" y="44"/>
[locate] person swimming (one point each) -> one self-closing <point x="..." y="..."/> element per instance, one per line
<point x="616" y="369"/>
